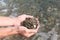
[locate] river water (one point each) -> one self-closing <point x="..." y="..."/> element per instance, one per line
<point x="48" y="13"/>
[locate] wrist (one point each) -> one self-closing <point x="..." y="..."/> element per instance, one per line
<point x="7" y="31"/>
<point x="14" y="30"/>
<point x="16" y="22"/>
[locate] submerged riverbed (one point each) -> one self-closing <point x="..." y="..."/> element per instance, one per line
<point x="47" y="11"/>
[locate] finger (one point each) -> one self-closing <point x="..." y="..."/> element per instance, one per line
<point x="22" y="15"/>
<point x="38" y="26"/>
<point x="29" y="16"/>
<point x="31" y="31"/>
<point x="37" y="23"/>
<point x="23" y="28"/>
<point x="28" y="34"/>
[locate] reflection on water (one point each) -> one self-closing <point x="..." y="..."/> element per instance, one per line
<point x="48" y="12"/>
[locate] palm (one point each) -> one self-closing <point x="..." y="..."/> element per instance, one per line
<point x="23" y="30"/>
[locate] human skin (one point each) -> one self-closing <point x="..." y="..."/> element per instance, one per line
<point x="7" y="21"/>
<point x="25" y="31"/>
<point x="7" y="31"/>
<point x="17" y="29"/>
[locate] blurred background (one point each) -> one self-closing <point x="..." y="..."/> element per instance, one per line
<point x="47" y="11"/>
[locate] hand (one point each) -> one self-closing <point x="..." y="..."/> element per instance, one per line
<point x="28" y="32"/>
<point x="21" y="18"/>
<point x="23" y="30"/>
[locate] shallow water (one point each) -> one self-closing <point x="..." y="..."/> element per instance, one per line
<point x="47" y="11"/>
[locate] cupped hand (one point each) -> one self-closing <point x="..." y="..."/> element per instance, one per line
<point x="20" y="19"/>
<point x="23" y="30"/>
<point x="28" y="32"/>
